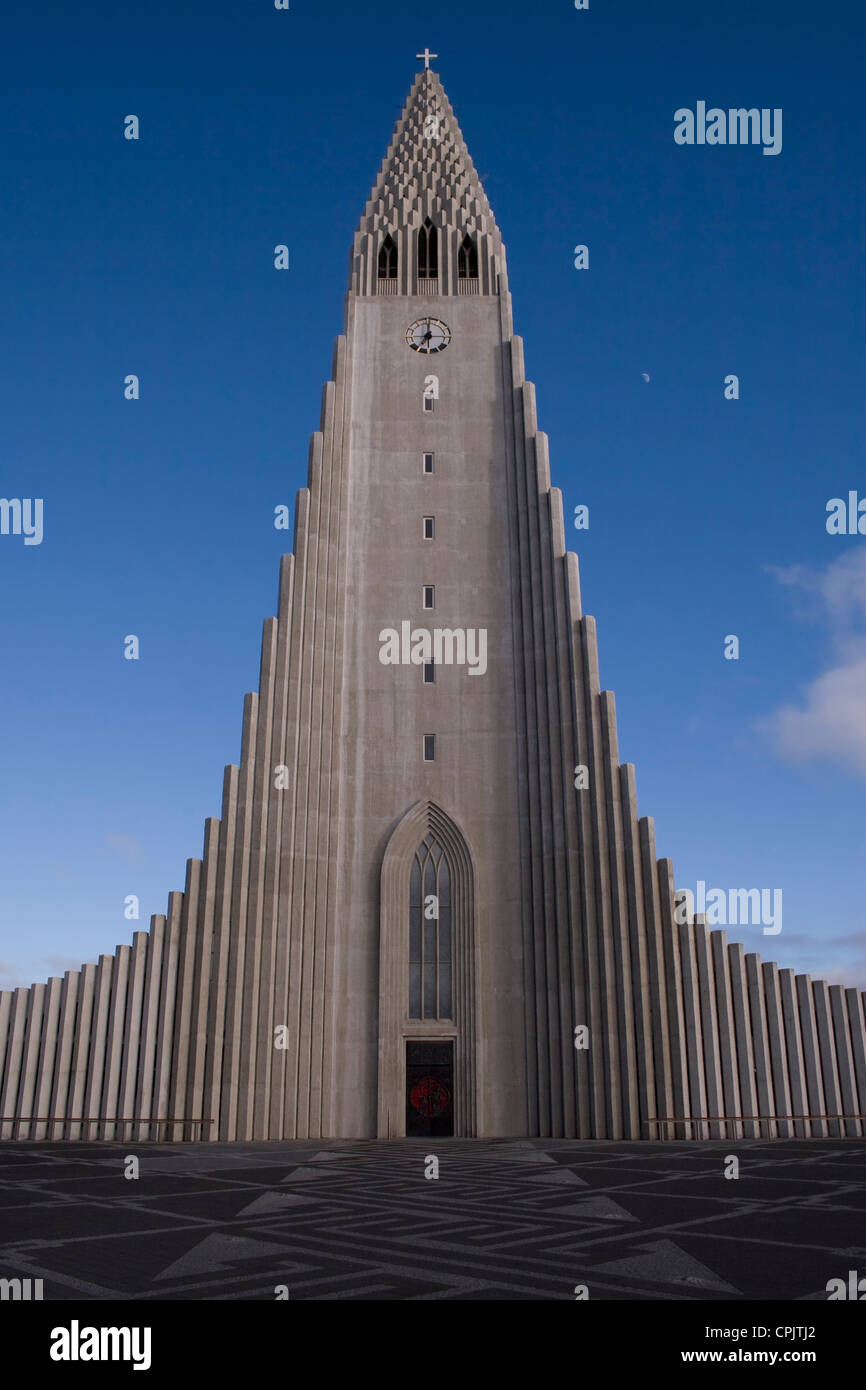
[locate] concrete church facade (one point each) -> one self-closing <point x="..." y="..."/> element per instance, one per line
<point x="409" y="919"/>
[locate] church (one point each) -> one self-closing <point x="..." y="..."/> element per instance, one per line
<point x="429" y="905"/>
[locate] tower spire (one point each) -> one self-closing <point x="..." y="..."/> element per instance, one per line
<point x="427" y="172"/>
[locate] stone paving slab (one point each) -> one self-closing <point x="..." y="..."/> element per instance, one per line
<point x="505" y="1220"/>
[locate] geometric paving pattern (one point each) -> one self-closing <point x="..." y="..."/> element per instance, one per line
<point x="506" y="1220"/>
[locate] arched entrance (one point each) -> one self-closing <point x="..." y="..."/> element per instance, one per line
<point x="427" y="979"/>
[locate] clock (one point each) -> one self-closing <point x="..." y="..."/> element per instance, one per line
<point x="428" y="335"/>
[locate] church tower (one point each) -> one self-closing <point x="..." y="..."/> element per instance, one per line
<point x="429" y="905"/>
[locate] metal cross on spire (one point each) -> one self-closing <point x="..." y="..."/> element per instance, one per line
<point x="426" y="55"/>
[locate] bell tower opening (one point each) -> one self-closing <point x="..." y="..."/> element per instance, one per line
<point x="428" y="252"/>
<point x="388" y="259"/>
<point x="467" y="260"/>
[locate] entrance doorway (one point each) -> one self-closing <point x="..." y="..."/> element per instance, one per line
<point x="429" y="1089"/>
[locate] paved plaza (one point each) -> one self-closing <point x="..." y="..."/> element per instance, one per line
<point x="522" y="1219"/>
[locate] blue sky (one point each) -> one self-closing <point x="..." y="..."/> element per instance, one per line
<point x="707" y="516"/>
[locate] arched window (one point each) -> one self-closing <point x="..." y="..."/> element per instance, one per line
<point x="388" y="260"/>
<point x="428" y="251"/>
<point x="430" y="933"/>
<point x="467" y="260"/>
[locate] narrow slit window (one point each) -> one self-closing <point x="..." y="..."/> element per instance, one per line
<point x="429" y="596"/>
<point x="428" y="404"/>
<point x="431" y="948"/>
<point x="429" y="673"/>
<point x="429" y="528"/>
<point x="428" y="463"/>
<point x="429" y="748"/>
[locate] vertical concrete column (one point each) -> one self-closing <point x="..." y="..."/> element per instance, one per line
<point x="727" y="1036"/>
<point x="778" y="1058"/>
<point x="305" y="1012"/>
<point x="761" y="1044"/>
<point x="208" y="976"/>
<point x="710" y="1028"/>
<point x="743" y="1037"/>
<point x="817" y="1129"/>
<point x="829" y="1068"/>
<point x="284" y="1108"/>
<point x="6" y="999"/>
<point x="535" y="1016"/>
<point x="48" y="1048"/>
<point x="30" y="1061"/>
<point x="857" y="1023"/>
<point x="656" y="962"/>
<point x="640" y="968"/>
<point x="237" y="944"/>
<point x="184" y="1000"/>
<point x="149" y="1015"/>
<point x="676" y="1010"/>
<point x="613" y="889"/>
<point x="165" y="1013"/>
<point x="448" y="259"/>
<point x="14" y="1053"/>
<point x="340" y="521"/>
<point x="59" y="1104"/>
<point x="607" y="1008"/>
<point x="543" y="1065"/>
<point x="844" y="1058"/>
<point x="115" y="1035"/>
<point x="81" y="1050"/>
<point x="694" y="1029"/>
<point x="558" y="696"/>
<point x="132" y="1035"/>
<point x="219" y="959"/>
<point x="270" y="1124"/>
<point x="317" y="927"/>
<point x="98" y="1041"/>
<point x="794" y="1051"/>
<point x="265" y="1062"/>
<point x="405" y="274"/>
<point x="263" y="791"/>
<point x="601" y="800"/>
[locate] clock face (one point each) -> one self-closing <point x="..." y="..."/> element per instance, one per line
<point x="428" y="335"/>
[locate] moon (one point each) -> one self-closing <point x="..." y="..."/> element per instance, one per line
<point x="645" y="375"/>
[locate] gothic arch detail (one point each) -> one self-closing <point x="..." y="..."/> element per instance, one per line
<point x="388" y="259"/>
<point x="428" y="251"/>
<point x="467" y="259"/>
<point x="423" y="823"/>
<point x="430" y="936"/>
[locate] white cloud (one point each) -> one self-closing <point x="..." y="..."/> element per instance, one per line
<point x="838" y="592"/>
<point x="831" y="723"/>
<point x="830" y="719"/>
